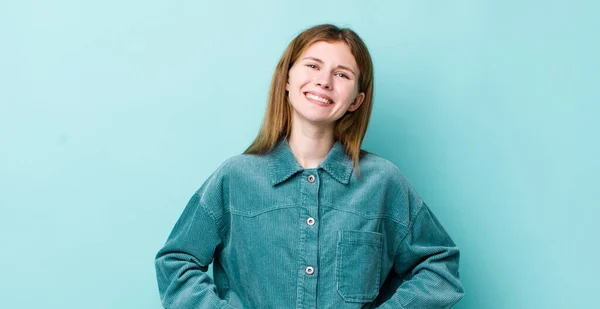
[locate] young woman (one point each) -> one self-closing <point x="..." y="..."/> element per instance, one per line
<point x="305" y="218"/>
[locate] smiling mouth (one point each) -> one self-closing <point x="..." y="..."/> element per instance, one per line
<point x="317" y="98"/>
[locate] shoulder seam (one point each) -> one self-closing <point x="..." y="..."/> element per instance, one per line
<point x="409" y="228"/>
<point x="217" y="222"/>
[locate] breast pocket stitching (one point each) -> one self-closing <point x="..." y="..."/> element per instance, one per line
<point x="358" y="265"/>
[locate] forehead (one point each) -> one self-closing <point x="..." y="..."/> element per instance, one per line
<point x="335" y="53"/>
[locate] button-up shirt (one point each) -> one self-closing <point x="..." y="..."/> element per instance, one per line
<point x="283" y="236"/>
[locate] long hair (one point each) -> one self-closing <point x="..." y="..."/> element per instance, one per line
<point x="351" y="128"/>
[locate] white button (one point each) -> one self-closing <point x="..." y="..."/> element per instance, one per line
<point x="310" y="221"/>
<point x="310" y="270"/>
<point x="311" y="178"/>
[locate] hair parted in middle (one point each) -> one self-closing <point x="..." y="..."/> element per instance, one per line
<point x="349" y="130"/>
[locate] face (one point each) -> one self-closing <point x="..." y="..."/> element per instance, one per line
<point x="323" y="83"/>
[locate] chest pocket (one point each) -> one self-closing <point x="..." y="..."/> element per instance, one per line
<point x="358" y="265"/>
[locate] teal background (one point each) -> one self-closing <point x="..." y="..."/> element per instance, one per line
<point x="113" y="113"/>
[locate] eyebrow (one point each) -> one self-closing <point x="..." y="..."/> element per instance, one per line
<point x="339" y="66"/>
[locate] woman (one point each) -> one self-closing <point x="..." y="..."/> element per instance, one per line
<point x="304" y="218"/>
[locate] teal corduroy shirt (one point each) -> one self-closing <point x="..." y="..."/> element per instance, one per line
<point x="282" y="236"/>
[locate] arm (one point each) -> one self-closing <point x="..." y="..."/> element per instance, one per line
<point x="182" y="263"/>
<point x="427" y="261"/>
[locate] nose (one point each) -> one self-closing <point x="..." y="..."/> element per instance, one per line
<point x="324" y="81"/>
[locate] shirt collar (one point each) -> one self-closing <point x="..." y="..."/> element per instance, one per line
<point x="284" y="165"/>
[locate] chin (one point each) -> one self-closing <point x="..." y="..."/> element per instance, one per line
<point x="314" y="118"/>
<point x="319" y="121"/>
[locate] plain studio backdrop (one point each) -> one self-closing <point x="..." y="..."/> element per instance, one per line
<point x="112" y="113"/>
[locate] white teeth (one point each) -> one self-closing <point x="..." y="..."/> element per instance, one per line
<point x="317" y="98"/>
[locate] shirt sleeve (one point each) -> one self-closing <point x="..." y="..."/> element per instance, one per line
<point x="426" y="262"/>
<point x="182" y="264"/>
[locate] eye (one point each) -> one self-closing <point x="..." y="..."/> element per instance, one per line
<point x="312" y="66"/>
<point x="342" y="75"/>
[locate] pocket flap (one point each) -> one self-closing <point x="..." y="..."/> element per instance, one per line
<point x="360" y="237"/>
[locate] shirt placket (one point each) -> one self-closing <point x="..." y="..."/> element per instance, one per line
<point x="309" y="227"/>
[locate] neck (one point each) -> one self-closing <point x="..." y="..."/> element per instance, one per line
<point x="309" y="144"/>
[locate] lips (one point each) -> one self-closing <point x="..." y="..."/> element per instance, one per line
<point x="318" y="98"/>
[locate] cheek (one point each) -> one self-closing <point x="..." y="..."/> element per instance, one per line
<point x="292" y="81"/>
<point x="348" y="92"/>
<point x="296" y="83"/>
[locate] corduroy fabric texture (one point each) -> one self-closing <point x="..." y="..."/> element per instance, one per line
<point x="281" y="236"/>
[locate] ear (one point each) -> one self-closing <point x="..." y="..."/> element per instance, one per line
<point x="357" y="102"/>
<point x="287" y="86"/>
